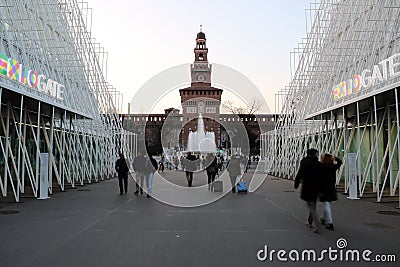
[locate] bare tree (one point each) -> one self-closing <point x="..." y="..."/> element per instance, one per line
<point x="249" y="108"/>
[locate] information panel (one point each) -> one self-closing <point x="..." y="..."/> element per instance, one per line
<point x="352" y="159"/>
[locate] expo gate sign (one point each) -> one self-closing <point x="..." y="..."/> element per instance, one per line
<point x="384" y="70"/>
<point x="18" y="72"/>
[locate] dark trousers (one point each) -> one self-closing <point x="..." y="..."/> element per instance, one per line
<point x="312" y="215"/>
<point x="233" y="183"/>
<point x="189" y="178"/>
<point x="123" y="181"/>
<point x="139" y="181"/>
<point x="211" y="178"/>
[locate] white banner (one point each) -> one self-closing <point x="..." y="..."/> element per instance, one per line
<point x="44" y="176"/>
<point x="351" y="158"/>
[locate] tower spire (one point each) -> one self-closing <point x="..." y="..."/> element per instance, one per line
<point x="201" y="27"/>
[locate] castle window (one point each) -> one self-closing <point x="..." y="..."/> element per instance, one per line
<point x="201" y="57"/>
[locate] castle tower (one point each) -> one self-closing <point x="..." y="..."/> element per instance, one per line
<point x="200" y="97"/>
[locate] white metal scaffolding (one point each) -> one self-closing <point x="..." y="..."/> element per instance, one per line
<point x="80" y="128"/>
<point x="343" y="96"/>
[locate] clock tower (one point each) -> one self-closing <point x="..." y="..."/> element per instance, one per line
<point x="200" y="69"/>
<point x="200" y="97"/>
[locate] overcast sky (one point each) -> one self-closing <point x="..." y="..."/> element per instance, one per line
<point x="143" y="38"/>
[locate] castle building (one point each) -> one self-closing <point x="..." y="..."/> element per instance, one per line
<point x="199" y="98"/>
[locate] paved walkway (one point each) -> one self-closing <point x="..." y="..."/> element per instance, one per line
<point x="98" y="227"/>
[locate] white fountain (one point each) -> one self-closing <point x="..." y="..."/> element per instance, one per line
<point x="201" y="141"/>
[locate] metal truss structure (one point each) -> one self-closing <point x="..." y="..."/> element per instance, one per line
<point x="55" y="99"/>
<point x="343" y="95"/>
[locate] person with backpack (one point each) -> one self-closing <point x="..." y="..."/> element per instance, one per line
<point x="121" y="166"/>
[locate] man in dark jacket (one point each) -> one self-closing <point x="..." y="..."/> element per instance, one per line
<point x="139" y="165"/>
<point x="121" y="166"/>
<point x="309" y="175"/>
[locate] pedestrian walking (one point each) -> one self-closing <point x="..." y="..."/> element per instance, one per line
<point x="248" y="166"/>
<point x="176" y="162"/>
<point x="211" y="169"/>
<point x="243" y="160"/>
<point x="189" y="165"/>
<point x="121" y="166"/>
<point x="203" y="164"/>
<point x="233" y="167"/>
<point x="219" y="162"/>
<point x="181" y="161"/>
<point x="197" y="162"/>
<point x="309" y="175"/>
<point x="161" y="168"/>
<point x="139" y="166"/>
<point x="150" y="169"/>
<point x="330" y="164"/>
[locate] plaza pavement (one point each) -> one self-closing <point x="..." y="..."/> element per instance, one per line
<point x="94" y="226"/>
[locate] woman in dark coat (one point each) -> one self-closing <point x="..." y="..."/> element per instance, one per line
<point x="330" y="164"/>
<point x="212" y="169"/>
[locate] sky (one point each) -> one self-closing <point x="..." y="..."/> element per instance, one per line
<point x="144" y="38"/>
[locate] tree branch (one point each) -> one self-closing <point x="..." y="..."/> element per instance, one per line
<point x="250" y="108"/>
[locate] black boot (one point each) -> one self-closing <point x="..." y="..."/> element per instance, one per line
<point x="329" y="226"/>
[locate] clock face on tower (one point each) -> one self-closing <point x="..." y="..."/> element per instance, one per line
<point x="200" y="77"/>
